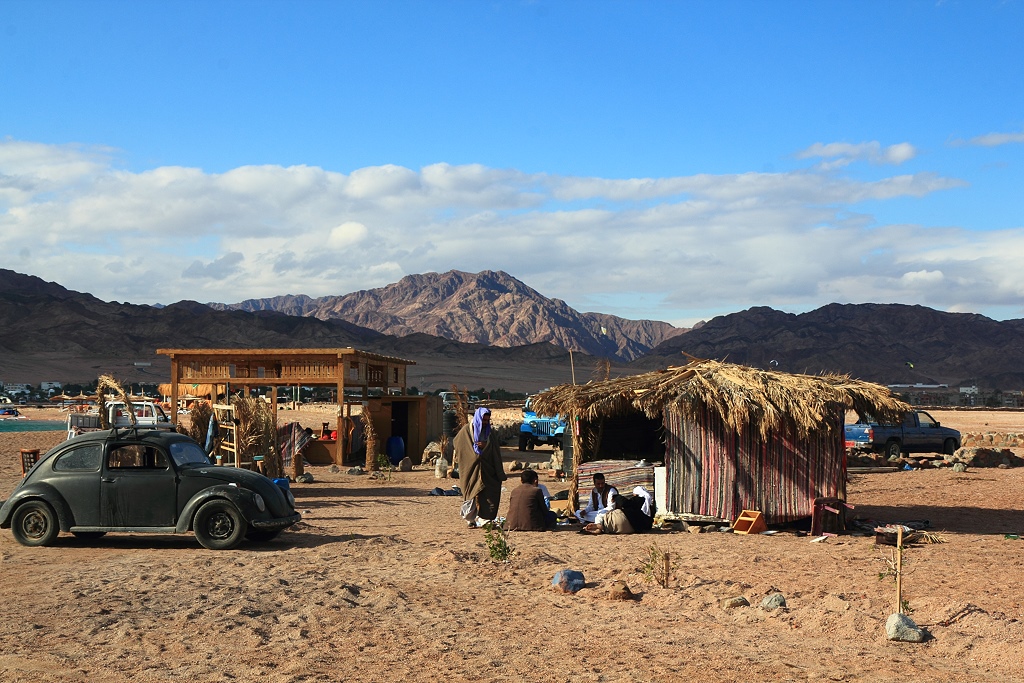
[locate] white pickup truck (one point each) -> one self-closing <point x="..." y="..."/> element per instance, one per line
<point x="147" y="414"/>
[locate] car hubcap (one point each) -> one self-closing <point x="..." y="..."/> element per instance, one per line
<point x="221" y="525"/>
<point x="34" y="525"/>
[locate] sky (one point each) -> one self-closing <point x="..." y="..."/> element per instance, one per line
<point x="652" y="160"/>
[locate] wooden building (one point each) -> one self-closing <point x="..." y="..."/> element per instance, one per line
<point x="375" y="382"/>
<point x="732" y="437"/>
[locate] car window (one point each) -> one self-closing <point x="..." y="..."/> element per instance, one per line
<point x="136" y="456"/>
<point x="82" y="459"/>
<point x="188" y="453"/>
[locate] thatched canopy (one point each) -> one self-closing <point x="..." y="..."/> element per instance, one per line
<point x="193" y="390"/>
<point x="742" y="396"/>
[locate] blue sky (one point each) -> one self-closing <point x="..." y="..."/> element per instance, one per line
<point x="665" y="160"/>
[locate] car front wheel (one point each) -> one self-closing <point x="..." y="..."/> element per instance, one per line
<point x="35" y="524"/>
<point x="219" y="526"/>
<point x="949" y="448"/>
<point x="524" y="441"/>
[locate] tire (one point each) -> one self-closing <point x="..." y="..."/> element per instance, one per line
<point x="89" y="535"/>
<point x="529" y="445"/>
<point x="893" y="450"/>
<point x="219" y="526"/>
<point x="35" y="524"/>
<point x="949" y="447"/>
<point x="261" y="535"/>
<point x="524" y="441"/>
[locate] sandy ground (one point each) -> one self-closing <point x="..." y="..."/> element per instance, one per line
<point x="381" y="582"/>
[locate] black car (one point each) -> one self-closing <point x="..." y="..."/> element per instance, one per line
<point x="143" y="480"/>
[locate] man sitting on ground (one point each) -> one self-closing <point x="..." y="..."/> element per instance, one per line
<point x="600" y="500"/>
<point x="526" y="510"/>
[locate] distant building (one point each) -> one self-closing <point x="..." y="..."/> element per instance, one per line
<point x="50" y="386"/>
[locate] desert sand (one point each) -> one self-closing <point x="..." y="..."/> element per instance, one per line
<point x="381" y="582"/>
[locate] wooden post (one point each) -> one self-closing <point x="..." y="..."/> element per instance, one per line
<point x="174" y="391"/>
<point x="577" y="460"/>
<point x="899" y="569"/>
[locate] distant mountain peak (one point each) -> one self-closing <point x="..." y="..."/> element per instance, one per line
<point x="490" y="307"/>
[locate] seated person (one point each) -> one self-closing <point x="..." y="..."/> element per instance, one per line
<point x="550" y="518"/>
<point x="639" y="509"/>
<point x="526" y="510"/>
<point x="614" y="521"/>
<point x="600" y="500"/>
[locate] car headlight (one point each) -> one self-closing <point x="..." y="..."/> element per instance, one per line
<point x="261" y="504"/>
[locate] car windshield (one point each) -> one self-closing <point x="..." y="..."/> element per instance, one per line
<point x="188" y="453"/>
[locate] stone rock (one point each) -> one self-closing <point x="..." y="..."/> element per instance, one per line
<point x="516" y="465"/>
<point x="304" y="478"/>
<point x="432" y="451"/>
<point x="356" y="470"/>
<point x="959" y="467"/>
<point x="618" y="590"/>
<point x="731" y="603"/>
<point x="334" y="469"/>
<point x="773" y="601"/>
<point x="709" y="528"/>
<point x="694" y="529"/>
<point x="405" y="465"/>
<point x="568" y="580"/>
<point x="901" y="627"/>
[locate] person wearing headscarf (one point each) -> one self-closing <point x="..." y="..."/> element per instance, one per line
<point x="480" y="469"/>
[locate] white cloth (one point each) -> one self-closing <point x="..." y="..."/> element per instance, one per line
<point x="593" y="512"/>
<point x="648" y="499"/>
<point x="547" y="495"/>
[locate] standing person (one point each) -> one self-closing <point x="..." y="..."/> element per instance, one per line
<point x="600" y="502"/>
<point x="526" y="510"/>
<point x="480" y="469"/>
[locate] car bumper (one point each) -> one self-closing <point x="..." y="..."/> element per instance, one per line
<point x="278" y="523"/>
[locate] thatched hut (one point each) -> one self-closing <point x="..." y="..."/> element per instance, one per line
<point x="732" y="437"/>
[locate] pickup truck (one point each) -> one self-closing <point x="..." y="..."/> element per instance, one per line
<point x="919" y="433"/>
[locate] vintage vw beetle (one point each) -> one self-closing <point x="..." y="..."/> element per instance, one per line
<point x="143" y="480"/>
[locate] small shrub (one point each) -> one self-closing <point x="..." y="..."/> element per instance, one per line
<point x="497" y="543"/>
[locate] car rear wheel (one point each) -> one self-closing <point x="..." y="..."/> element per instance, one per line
<point x="949" y="447"/>
<point x="219" y="526"/>
<point x="261" y="535"/>
<point x="893" y="450"/>
<point x="35" y="523"/>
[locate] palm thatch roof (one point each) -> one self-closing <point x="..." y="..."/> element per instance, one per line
<point x="742" y="396"/>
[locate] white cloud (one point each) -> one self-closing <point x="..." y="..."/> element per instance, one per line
<point x="699" y="242"/>
<point x="347" y="234"/>
<point x="843" y="153"/>
<point x="997" y="139"/>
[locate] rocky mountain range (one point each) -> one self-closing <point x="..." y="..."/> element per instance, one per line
<point x="49" y="333"/>
<point x="491" y="308"/>
<point x="885" y="343"/>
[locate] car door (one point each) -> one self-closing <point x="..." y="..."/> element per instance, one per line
<point x="913" y="437"/>
<point x="76" y="475"/>
<point x="138" y="488"/>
